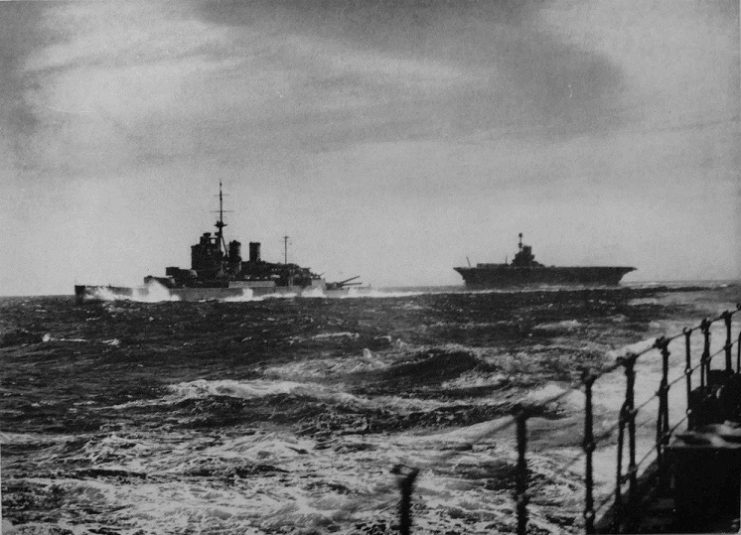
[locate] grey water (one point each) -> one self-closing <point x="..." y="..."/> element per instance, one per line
<point x="287" y="415"/>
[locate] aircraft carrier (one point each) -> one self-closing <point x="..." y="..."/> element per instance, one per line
<point x="524" y="270"/>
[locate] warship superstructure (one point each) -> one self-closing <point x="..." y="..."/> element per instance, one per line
<point x="217" y="271"/>
<point x="524" y="270"/>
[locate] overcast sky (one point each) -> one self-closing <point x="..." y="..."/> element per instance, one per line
<point x="389" y="139"/>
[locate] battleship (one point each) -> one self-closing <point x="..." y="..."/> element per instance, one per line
<point x="524" y="270"/>
<point x="217" y="271"/>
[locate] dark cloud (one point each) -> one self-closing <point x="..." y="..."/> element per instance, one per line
<point x="523" y="75"/>
<point x="482" y="66"/>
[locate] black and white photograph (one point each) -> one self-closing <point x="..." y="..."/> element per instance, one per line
<point x="370" y="267"/>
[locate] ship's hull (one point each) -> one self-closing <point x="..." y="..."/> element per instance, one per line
<point x="157" y="293"/>
<point x="506" y="275"/>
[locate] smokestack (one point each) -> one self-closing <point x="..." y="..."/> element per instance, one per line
<point x="235" y="251"/>
<point x="254" y="251"/>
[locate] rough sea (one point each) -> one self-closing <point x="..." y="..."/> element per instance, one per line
<point x="287" y="415"/>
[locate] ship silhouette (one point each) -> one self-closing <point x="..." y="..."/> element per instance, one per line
<point x="217" y="271"/>
<point x="525" y="270"/>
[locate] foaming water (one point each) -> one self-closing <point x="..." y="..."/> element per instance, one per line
<point x="371" y="293"/>
<point x="246" y="296"/>
<point x="251" y="390"/>
<point x="152" y="292"/>
<point x="287" y="415"/>
<point x="366" y="361"/>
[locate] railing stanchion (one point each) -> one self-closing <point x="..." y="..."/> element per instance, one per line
<point x="705" y="358"/>
<point x="688" y="375"/>
<point x="521" y="496"/>
<point x="618" y="509"/>
<point x="588" y="446"/>
<point x="630" y="409"/>
<point x="406" y="485"/>
<point x="729" y="345"/>
<point x="627" y="417"/>
<point x="662" y="423"/>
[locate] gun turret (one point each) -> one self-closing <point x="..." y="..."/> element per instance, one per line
<point x="341" y="284"/>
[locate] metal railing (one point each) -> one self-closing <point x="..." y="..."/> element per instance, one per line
<point x="619" y="506"/>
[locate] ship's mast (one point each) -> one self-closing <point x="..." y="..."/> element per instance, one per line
<point x="285" y="249"/>
<point x="519" y="245"/>
<point x="220" y="223"/>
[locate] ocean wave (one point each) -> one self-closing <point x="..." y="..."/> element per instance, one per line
<point x="643" y="301"/>
<point x="435" y="364"/>
<point x="264" y="389"/>
<point x="152" y="292"/>
<point x="8" y="438"/>
<point x="318" y="293"/>
<point x="549" y="391"/>
<point x="246" y="296"/>
<point x="252" y="389"/>
<point x="322" y="368"/>
<point x="557" y="327"/>
<point x="343" y="334"/>
<point x="49" y="338"/>
<point x="382" y="294"/>
<point x="476" y="379"/>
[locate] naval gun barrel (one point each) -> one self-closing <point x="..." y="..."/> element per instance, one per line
<point x="344" y="282"/>
<point x="341" y="284"/>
